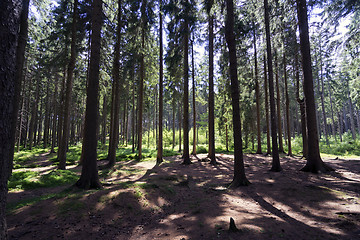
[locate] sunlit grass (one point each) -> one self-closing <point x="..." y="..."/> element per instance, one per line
<point x="25" y="180"/>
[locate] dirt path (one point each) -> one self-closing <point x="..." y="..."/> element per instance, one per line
<point x="173" y="201"/>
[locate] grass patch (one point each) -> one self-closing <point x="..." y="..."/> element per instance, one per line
<point x="25" y="180"/>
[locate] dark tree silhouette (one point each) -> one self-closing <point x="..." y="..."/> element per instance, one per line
<point x="160" y="140"/>
<point x="69" y="83"/>
<point x="275" y="150"/>
<point x="314" y="163"/>
<point x="239" y="170"/>
<point x="89" y="174"/>
<point x="9" y="88"/>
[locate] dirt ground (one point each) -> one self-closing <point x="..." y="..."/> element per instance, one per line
<point x="173" y="201"/>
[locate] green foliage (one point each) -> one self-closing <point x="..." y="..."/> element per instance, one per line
<point x="25" y="180"/>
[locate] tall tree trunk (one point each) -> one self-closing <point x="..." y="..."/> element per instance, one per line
<point x="173" y="123"/>
<point x="257" y="95"/>
<point x="180" y="121"/>
<point x="239" y="169"/>
<point x="314" y="163"/>
<point x="160" y="140"/>
<point x="61" y="104"/>
<point x="141" y="79"/>
<point x="301" y="103"/>
<point x="34" y="113"/>
<point x="352" y="122"/>
<point x="322" y="98"/>
<point x="47" y="116"/>
<point x="133" y="113"/>
<point x="332" y="114"/>
<point x="20" y="57"/>
<point x="340" y="126"/>
<point x="104" y="116"/>
<point x="10" y="86"/>
<point x="55" y="114"/>
<point x="287" y="102"/>
<point x="193" y="97"/>
<point x="186" y="33"/>
<point x="268" y="143"/>
<point x="89" y="174"/>
<point x="69" y="82"/>
<point x="278" y="105"/>
<point x="275" y="151"/>
<point x="211" y="92"/>
<point x="114" y="132"/>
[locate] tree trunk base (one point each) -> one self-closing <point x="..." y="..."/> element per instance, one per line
<point x="213" y="162"/>
<point x="317" y="168"/>
<point x="239" y="182"/>
<point x="186" y="162"/>
<point x="88" y="184"/>
<point x="275" y="169"/>
<point x="158" y="161"/>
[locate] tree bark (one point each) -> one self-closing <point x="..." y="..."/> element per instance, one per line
<point x="114" y="132"/>
<point x="287" y="110"/>
<point x="239" y="169"/>
<point x="186" y="155"/>
<point x="211" y="91"/>
<point x="69" y="82"/>
<point x="89" y="174"/>
<point x="257" y="95"/>
<point x="352" y="122"/>
<point x="160" y="139"/>
<point x="268" y="143"/>
<point x="275" y="151"/>
<point x="193" y="98"/>
<point x="10" y="89"/>
<point x="141" y="79"/>
<point x="278" y="106"/>
<point x="314" y="163"/>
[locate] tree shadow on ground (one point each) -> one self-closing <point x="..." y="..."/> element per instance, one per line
<point x="173" y="201"/>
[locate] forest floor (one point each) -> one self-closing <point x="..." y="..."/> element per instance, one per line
<point x="174" y="201"/>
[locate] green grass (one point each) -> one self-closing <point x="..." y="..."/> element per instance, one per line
<point x="25" y="180"/>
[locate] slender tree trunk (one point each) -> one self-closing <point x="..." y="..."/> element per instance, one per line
<point x="332" y="114"/>
<point x="160" y="140"/>
<point x="322" y="98"/>
<point x="55" y="114"/>
<point x="194" y="103"/>
<point x="268" y="143"/>
<point x="89" y="174"/>
<point x="211" y="92"/>
<point x="352" y="122"/>
<point x="186" y="33"/>
<point x="141" y="79"/>
<point x="47" y="116"/>
<point x="173" y="123"/>
<point x="133" y="113"/>
<point x="104" y="116"/>
<point x="314" y="163"/>
<point x="34" y="112"/>
<point x="287" y="102"/>
<point x="301" y="103"/>
<point x="257" y="95"/>
<point x="61" y="104"/>
<point x="180" y="121"/>
<point x="239" y="169"/>
<point x="275" y="151"/>
<point x="69" y="82"/>
<point x="114" y="132"/>
<point x="340" y="126"/>
<point x="278" y="105"/>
